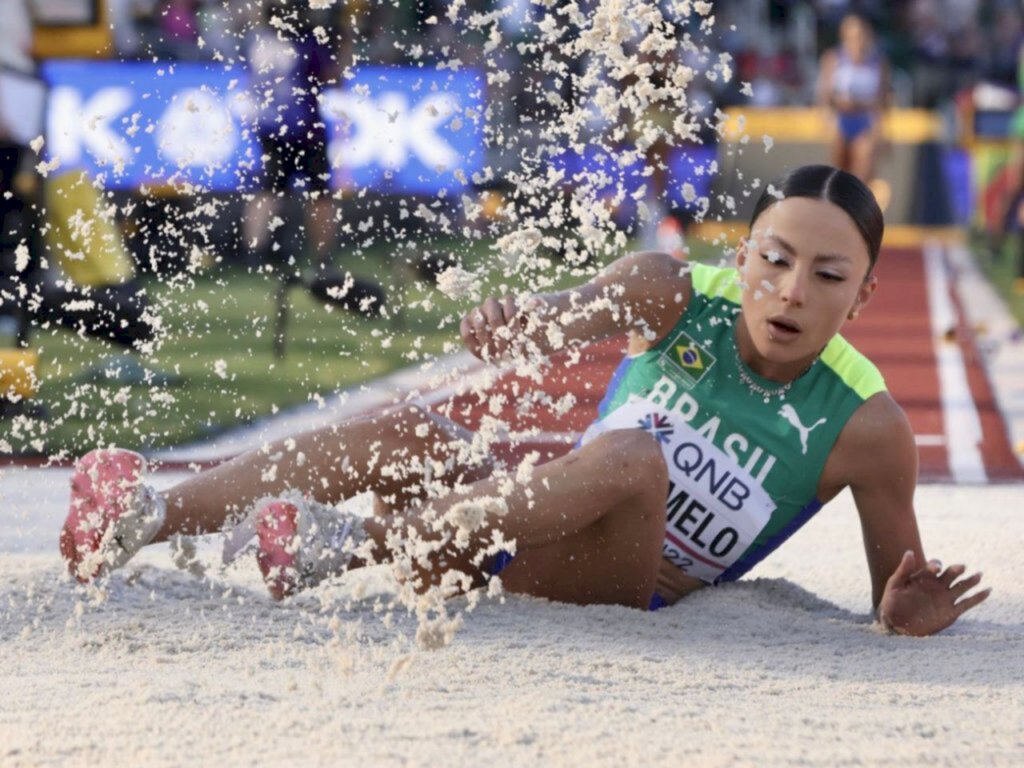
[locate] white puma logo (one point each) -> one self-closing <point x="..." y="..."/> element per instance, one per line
<point x="788" y="412"/>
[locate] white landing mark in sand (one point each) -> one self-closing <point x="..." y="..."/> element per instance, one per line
<point x="959" y="412"/>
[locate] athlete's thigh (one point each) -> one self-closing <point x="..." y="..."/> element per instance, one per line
<point x="598" y="565"/>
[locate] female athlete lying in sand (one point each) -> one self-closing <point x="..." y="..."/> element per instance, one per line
<point x="738" y="412"/>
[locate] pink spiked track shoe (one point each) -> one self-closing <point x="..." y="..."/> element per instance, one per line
<point x="301" y="542"/>
<point x="276" y="532"/>
<point x="113" y="513"/>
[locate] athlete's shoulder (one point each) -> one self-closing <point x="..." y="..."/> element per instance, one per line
<point x="655" y="286"/>
<point x="648" y="266"/>
<point x="879" y="435"/>
<point x="875" y="447"/>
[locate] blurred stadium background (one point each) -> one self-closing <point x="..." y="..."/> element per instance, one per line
<point x="129" y="221"/>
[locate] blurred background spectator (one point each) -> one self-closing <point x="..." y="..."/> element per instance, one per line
<point x="853" y="83"/>
<point x="15" y="194"/>
<point x="292" y="59"/>
<point x="16" y="36"/>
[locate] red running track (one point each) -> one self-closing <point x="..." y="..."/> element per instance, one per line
<point x="896" y="332"/>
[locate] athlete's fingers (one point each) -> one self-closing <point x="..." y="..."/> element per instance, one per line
<point x="953" y="573"/>
<point x="966" y="585"/>
<point x="498" y="332"/>
<point x="935" y="566"/>
<point x="479" y="325"/>
<point x="469" y="336"/>
<point x="509" y="330"/>
<point x="905" y="569"/>
<point x="969" y="602"/>
<point x="466" y="332"/>
<point x="508" y="307"/>
<point x="492" y="313"/>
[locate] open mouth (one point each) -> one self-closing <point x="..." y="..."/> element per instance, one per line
<point x="783" y="326"/>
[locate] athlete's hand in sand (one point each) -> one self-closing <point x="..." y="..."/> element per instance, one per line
<point x="490" y="330"/>
<point x="923" y="601"/>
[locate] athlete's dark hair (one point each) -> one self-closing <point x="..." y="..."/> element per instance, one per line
<point x="823" y="182"/>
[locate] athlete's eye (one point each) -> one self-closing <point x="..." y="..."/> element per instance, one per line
<point x="774" y="258"/>
<point x="832" y="277"/>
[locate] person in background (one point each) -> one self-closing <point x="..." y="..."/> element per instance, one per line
<point x="853" y="83"/>
<point x="290" y="66"/>
<point x="16" y="197"/>
<point x="177" y="29"/>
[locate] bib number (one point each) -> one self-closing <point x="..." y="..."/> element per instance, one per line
<point x="715" y="509"/>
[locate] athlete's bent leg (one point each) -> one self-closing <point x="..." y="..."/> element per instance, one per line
<point x="588" y="526"/>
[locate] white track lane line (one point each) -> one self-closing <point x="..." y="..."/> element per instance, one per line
<point x="987" y="313"/>
<point x="402" y="385"/>
<point x="959" y="411"/>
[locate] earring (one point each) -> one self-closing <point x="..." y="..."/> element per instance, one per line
<point x="853" y="314"/>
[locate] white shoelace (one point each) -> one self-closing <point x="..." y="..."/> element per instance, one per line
<point x="335" y="540"/>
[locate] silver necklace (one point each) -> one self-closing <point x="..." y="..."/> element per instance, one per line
<point x="755" y="388"/>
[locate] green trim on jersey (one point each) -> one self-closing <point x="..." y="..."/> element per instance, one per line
<point x="853" y="368"/>
<point x="715" y="281"/>
<point x="784" y="442"/>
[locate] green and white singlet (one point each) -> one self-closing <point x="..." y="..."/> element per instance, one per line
<point x="743" y="467"/>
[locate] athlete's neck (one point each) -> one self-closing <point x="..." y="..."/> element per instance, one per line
<point x="781" y="372"/>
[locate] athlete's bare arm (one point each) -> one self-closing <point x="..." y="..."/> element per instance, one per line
<point x="826" y="71"/>
<point x="642" y="292"/>
<point x="877" y="457"/>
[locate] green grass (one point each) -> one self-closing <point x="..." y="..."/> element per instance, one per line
<point x="228" y="316"/>
<point x="1001" y="267"/>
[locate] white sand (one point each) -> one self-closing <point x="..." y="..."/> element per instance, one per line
<point x="784" y="669"/>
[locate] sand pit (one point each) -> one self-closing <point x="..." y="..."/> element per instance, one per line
<point x="782" y="669"/>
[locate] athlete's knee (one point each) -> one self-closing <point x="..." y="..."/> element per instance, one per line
<point x="636" y="456"/>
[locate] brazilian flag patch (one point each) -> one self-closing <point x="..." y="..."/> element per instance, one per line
<point x="685" y="360"/>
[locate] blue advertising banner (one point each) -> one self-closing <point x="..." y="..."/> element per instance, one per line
<point x="692" y="165"/>
<point x="141" y="123"/>
<point x="406" y="129"/>
<point x="389" y="129"/>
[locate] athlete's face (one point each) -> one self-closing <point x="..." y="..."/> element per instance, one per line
<point x="805" y="272"/>
<point x="855" y="38"/>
